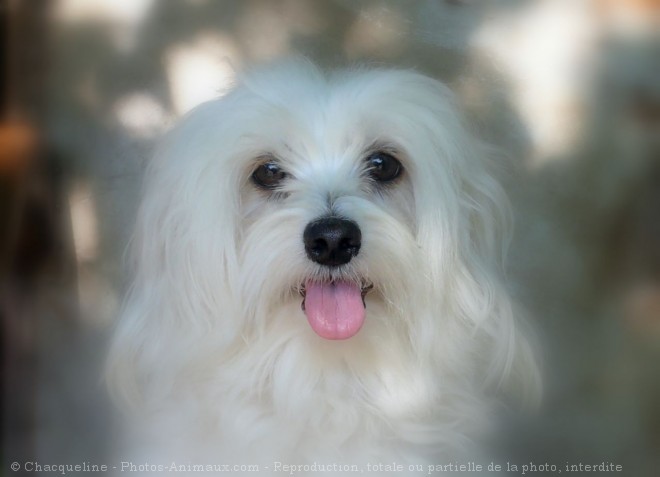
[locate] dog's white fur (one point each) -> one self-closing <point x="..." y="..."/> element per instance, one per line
<point x="213" y="341"/>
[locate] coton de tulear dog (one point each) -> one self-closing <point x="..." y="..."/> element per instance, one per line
<point x="318" y="280"/>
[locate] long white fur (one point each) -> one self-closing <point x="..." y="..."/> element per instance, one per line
<point x="212" y="344"/>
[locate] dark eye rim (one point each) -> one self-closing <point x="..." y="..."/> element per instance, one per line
<point x="388" y="153"/>
<point x="268" y="184"/>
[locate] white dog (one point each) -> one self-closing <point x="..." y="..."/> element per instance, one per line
<point x="318" y="278"/>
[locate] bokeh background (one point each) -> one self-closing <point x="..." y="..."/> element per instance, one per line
<point x="569" y="90"/>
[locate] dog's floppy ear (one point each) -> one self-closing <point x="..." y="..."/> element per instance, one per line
<point x="464" y="227"/>
<point x="182" y="252"/>
<point x="484" y="238"/>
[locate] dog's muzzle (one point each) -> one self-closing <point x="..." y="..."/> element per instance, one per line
<point x="332" y="241"/>
<point x="335" y="308"/>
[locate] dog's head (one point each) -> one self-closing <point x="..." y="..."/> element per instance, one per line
<point x="352" y="207"/>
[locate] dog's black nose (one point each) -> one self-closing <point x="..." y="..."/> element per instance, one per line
<point x="332" y="241"/>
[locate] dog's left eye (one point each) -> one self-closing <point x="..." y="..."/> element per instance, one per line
<point x="383" y="167"/>
<point x="268" y="175"/>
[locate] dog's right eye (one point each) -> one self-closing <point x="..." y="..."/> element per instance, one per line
<point x="268" y="175"/>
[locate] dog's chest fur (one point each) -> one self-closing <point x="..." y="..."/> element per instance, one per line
<point x="301" y="401"/>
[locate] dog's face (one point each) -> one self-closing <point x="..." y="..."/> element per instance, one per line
<point x="327" y="206"/>
<point x="345" y="197"/>
<point x="311" y="211"/>
<point x="328" y="220"/>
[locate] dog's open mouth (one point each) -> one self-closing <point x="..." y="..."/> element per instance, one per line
<point x="335" y="309"/>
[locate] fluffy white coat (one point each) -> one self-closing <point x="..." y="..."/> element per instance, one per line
<point x="213" y="346"/>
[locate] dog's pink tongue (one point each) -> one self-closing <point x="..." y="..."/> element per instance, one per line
<point x="335" y="310"/>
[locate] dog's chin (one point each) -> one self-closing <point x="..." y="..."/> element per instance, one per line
<point x="335" y="308"/>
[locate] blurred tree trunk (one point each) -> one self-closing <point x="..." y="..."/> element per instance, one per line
<point x="34" y="247"/>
